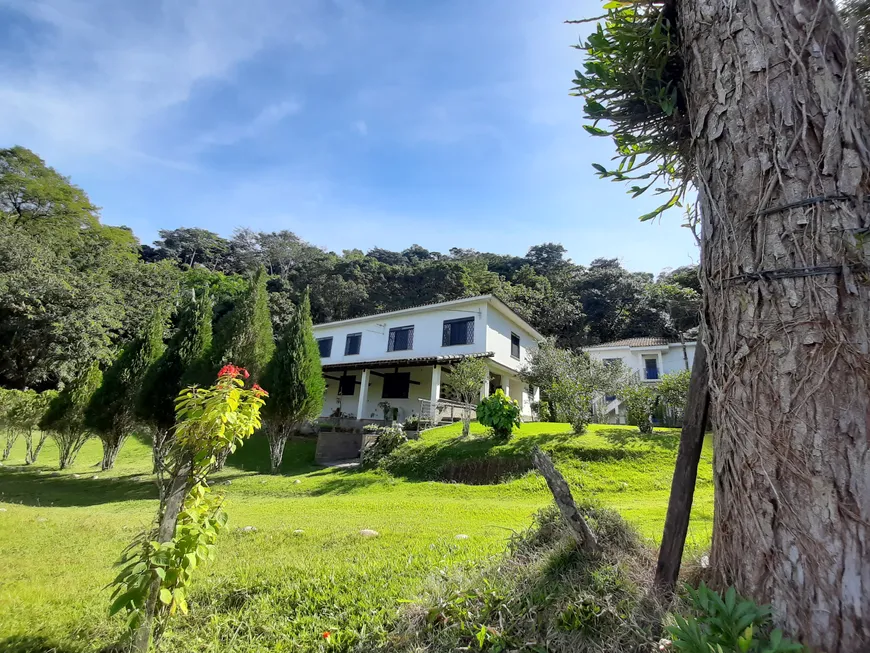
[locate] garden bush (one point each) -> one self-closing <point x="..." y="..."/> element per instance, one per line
<point x="500" y="413"/>
<point x="389" y="438"/>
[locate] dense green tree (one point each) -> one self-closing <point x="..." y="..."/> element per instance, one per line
<point x="65" y="417"/>
<point x="186" y="360"/>
<point x="192" y="246"/>
<point x="111" y="413"/>
<point x="294" y="381"/>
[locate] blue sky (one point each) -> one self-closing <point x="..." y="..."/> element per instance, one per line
<point x="352" y="123"/>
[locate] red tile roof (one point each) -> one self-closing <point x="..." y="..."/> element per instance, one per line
<point x="634" y="342"/>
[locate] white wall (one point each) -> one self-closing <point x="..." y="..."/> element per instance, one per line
<point x="428" y="329"/>
<point x="670" y="357"/>
<point x="498" y="340"/>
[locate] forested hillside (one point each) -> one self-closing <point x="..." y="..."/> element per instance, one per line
<point x="73" y="290"/>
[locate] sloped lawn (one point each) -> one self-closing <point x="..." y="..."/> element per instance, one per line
<point x="280" y="589"/>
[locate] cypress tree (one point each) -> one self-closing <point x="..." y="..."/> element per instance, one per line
<point x="111" y="411"/>
<point x="294" y="380"/>
<point x="65" y="417"/>
<point x="246" y="337"/>
<point x="185" y="361"/>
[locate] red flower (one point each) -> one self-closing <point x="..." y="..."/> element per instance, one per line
<point x="259" y="391"/>
<point x="243" y="372"/>
<point x="229" y="370"/>
<point x="326" y="635"/>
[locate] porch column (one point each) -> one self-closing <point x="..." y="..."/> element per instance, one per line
<point x="484" y="390"/>
<point x="435" y="395"/>
<point x="506" y="385"/>
<point x="363" y="395"/>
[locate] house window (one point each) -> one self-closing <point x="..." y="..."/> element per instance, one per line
<point x="396" y="385"/>
<point x="352" y="344"/>
<point x="347" y="385"/>
<point x="458" y="332"/>
<point x="515" y="346"/>
<point x="401" y="339"/>
<point x="325" y="345"/>
<point x="651" y="368"/>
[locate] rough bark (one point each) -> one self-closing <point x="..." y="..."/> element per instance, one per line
<point x="112" y="443"/>
<point x="277" y="435"/>
<point x="11" y="437"/>
<point x="69" y="443"/>
<point x="160" y="445"/>
<point x="778" y="117"/>
<point x="565" y="501"/>
<point x="32" y="454"/>
<point x="685" y="476"/>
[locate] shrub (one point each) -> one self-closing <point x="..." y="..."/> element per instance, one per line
<point x="388" y="440"/>
<point x="732" y="623"/>
<point x="640" y="400"/>
<point x="500" y="413"/>
<point x="412" y="423"/>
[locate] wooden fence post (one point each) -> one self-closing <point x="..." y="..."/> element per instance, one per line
<point x="685" y="474"/>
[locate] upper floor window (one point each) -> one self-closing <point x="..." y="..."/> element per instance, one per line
<point x="325" y="345"/>
<point x="401" y="339"/>
<point x="458" y="332"/>
<point x="651" y="368"/>
<point x="352" y="344"/>
<point x="347" y="385"/>
<point x="515" y="346"/>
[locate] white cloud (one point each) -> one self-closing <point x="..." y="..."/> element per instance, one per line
<point x="107" y="72"/>
<point x="265" y="119"/>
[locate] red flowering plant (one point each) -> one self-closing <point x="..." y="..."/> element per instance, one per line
<point x="157" y="566"/>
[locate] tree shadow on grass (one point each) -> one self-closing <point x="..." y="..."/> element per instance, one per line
<point x="625" y="438"/>
<point x="30" y="488"/>
<point x="344" y="481"/>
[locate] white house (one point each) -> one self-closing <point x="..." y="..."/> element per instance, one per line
<point x="650" y="358"/>
<point x="403" y="357"/>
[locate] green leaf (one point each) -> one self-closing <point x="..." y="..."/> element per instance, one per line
<point x="165" y="596"/>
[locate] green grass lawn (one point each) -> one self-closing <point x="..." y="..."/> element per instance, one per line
<point x="279" y="589"/>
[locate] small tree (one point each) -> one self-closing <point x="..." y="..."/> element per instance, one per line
<point x="571" y="382"/>
<point x="673" y="389"/>
<point x="295" y="381"/>
<point x="640" y="400"/>
<point x="65" y="417"/>
<point x="467" y="378"/>
<point x="500" y="413"/>
<point x="111" y="412"/>
<point x="185" y="361"/>
<point x="158" y="565"/>
<point x="28" y="415"/>
<point x="9" y="401"/>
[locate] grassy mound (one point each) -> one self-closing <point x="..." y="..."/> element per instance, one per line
<point x="544" y="595"/>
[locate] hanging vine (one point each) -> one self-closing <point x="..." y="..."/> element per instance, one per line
<point x="632" y="81"/>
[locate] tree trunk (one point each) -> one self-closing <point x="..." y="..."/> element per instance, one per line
<point x="778" y="118"/>
<point x="277" y="436"/>
<point x="160" y="444"/>
<point x="33" y="452"/>
<point x="173" y="501"/>
<point x="11" y="437"/>
<point x="220" y="460"/>
<point x="112" y="443"/>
